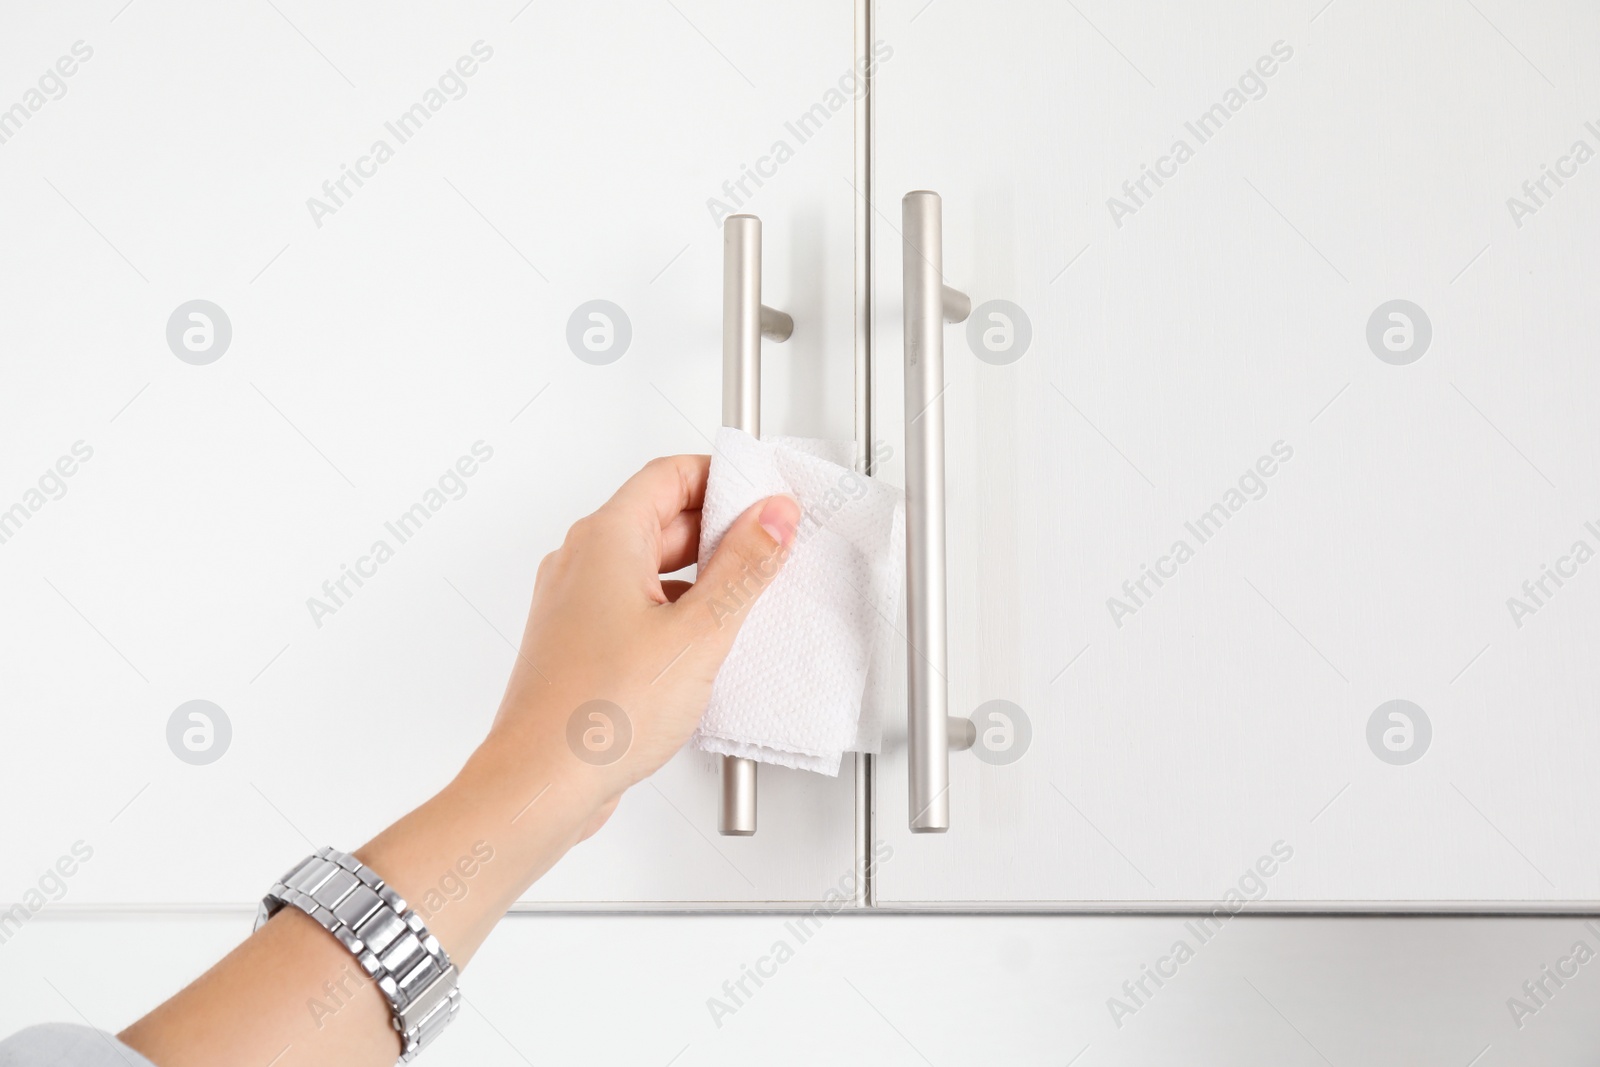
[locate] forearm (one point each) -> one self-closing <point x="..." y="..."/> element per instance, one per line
<point x="294" y="993"/>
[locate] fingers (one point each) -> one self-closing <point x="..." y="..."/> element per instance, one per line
<point x="665" y="487"/>
<point x="680" y="542"/>
<point x="749" y="557"/>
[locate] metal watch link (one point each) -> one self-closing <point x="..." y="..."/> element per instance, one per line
<point x="386" y="937"/>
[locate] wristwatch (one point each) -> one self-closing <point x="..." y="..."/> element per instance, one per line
<point x="386" y="937"/>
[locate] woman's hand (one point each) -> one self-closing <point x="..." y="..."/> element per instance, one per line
<point x="604" y="627"/>
<point x="616" y="664"/>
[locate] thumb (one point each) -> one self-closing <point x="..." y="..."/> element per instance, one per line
<point x="744" y="564"/>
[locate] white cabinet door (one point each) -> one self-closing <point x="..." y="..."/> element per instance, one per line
<point x="1275" y="515"/>
<point x="461" y="273"/>
<point x="897" y="991"/>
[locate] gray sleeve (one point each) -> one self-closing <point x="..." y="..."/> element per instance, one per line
<point x="67" y="1045"/>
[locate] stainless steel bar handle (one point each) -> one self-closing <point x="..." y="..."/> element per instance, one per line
<point x="929" y="304"/>
<point x="745" y="321"/>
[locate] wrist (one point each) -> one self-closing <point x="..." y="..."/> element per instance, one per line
<point x="465" y="856"/>
<point x="528" y="775"/>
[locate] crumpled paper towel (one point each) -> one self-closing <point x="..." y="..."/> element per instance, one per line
<point x="794" y="690"/>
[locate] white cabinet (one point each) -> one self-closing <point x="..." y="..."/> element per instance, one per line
<point x="904" y="992"/>
<point x="403" y="213"/>
<point x="1273" y="411"/>
<point x="1308" y="400"/>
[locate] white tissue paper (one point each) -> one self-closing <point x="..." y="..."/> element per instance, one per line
<point x="795" y="689"/>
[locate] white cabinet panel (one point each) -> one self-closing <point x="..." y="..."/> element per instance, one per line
<point x="1224" y="509"/>
<point x="942" y="990"/>
<point x="511" y="164"/>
